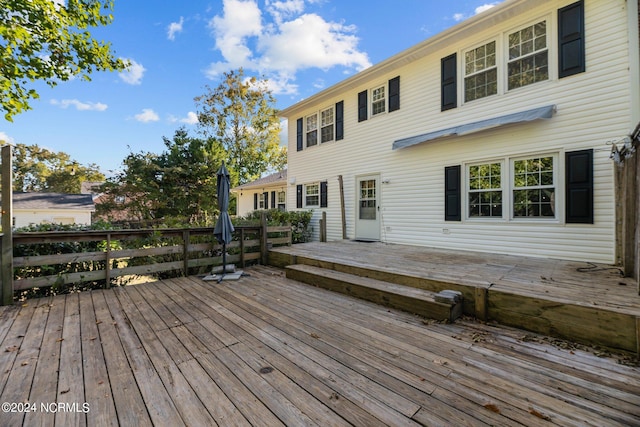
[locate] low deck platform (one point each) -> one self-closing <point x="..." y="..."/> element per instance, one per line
<point x="579" y="301"/>
<point x="269" y="351"/>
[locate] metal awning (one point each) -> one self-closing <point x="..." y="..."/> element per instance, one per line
<point x="545" y="112"/>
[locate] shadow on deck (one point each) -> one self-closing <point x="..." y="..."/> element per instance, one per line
<point x="583" y="302"/>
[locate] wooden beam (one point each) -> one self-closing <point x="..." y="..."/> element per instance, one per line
<point x="7" y="225"/>
<point x="342" y="209"/>
<point x="263" y="239"/>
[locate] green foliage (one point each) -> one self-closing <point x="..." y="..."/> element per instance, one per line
<point x="37" y="249"/>
<point x="177" y="186"/>
<point x="240" y="113"/>
<point x="37" y="169"/>
<point x="49" y="41"/>
<point x="299" y="221"/>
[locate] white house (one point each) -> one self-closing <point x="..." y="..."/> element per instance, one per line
<point x="268" y="192"/>
<point x="51" y="208"/>
<point x="494" y="135"/>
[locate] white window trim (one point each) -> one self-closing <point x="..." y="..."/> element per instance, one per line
<point x="502" y="57"/>
<point x="261" y="201"/>
<point x="305" y="195"/>
<point x="507" y="164"/>
<point x="498" y="67"/>
<point x="384" y="85"/>
<point x="318" y="116"/>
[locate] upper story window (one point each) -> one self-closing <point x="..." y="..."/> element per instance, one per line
<point x="378" y="100"/>
<point x="312" y="130"/>
<point x="326" y="123"/>
<point x="528" y="56"/>
<point x="481" y="72"/>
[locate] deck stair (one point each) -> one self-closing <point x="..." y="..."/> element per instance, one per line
<point x="440" y="306"/>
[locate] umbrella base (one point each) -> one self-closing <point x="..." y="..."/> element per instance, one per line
<point x="230" y="268"/>
<point x="227" y="276"/>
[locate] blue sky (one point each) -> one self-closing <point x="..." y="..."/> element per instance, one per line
<point x="177" y="48"/>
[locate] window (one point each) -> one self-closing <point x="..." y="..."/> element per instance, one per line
<point x="481" y="73"/>
<point x="368" y="199"/>
<point x="326" y="123"/>
<point x="312" y="195"/>
<point x="378" y="100"/>
<point x="312" y="130"/>
<point x="485" y="190"/>
<point x="533" y="187"/>
<point x="282" y="200"/>
<point x="528" y="56"/>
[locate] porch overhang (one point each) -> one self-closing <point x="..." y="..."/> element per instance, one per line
<point x="545" y="112"/>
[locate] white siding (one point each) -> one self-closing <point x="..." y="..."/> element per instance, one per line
<point x="24" y="218"/>
<point x="593" y="108"/>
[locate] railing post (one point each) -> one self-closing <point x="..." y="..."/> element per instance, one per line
<point x="185" y="252"/>
<point x="7" y="226"/>
<point x="242" y="261"/>
<point x="107" y="266"/>
<point x="263" y="239"/>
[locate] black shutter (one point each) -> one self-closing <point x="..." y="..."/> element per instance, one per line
<point x="265" y="195"/>
<point x="299" y="134"/>
<point x="571" y="56"/>
<point x="449" y="82"/>
<point x="362" y="106"/>
<point x="579" y="186"/>
<point x="273" y="200"/>
<point x="323" y="194"/>
<point x="255" y="201"/>
<point x="339" y="120"/>
<point x="394" y="94"/>
<point x="299" y="196"/>
<point x="452" y="193"/>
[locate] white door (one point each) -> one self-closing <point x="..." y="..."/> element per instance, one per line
<point x="368" y="208"/>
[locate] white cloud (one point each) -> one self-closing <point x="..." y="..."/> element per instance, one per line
<point x="79" y="105"/>
<point x="174" y="28"/>
<point x="482" y="8"/>
<point x="6" y="139"/>
<point x="485" y="6"/>
<point x="147" y="116"/>
<point x="134" y="73"/>
<point x="191" y="119"/>
<point x="290" y="42"/>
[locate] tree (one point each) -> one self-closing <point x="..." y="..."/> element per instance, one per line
<point x="178" y="184"/>
<point x="240" y="113"/>
<point x="49" y="40"/>
<point x="37" y="169"/>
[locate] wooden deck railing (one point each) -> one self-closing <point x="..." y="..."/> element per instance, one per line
<point x="119" y="253"/>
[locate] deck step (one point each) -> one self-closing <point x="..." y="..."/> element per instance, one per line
<point x="406" y="298"/>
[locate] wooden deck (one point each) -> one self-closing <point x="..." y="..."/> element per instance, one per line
<point x="268" y="351"/>
<point x="569" y="299"/>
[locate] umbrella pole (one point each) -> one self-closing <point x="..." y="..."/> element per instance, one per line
<point x="224" y="261"/>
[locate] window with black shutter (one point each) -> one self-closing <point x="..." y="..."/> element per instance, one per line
<point x="362" y="106"/>
<point x="339" y="120"/>
<point x="394" y="94"/>
<point x="452" y="194"/>
<point x="571" y="50"/>
<point x="579" y="186"/>
<point x="449" y="84"/>
<point x="265" y="199"/>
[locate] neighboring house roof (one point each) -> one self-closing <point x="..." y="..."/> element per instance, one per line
<point x="277" y="178"/>
<point x="52" y="201"/>
<point x="90" y="187"/>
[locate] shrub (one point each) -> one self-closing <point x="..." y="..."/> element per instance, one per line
<point x="299" y="221"/>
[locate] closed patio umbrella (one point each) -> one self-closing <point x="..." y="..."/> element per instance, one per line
<point x="224" y="227"/>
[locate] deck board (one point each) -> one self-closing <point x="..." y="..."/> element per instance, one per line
<point x="188" y="352"/>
